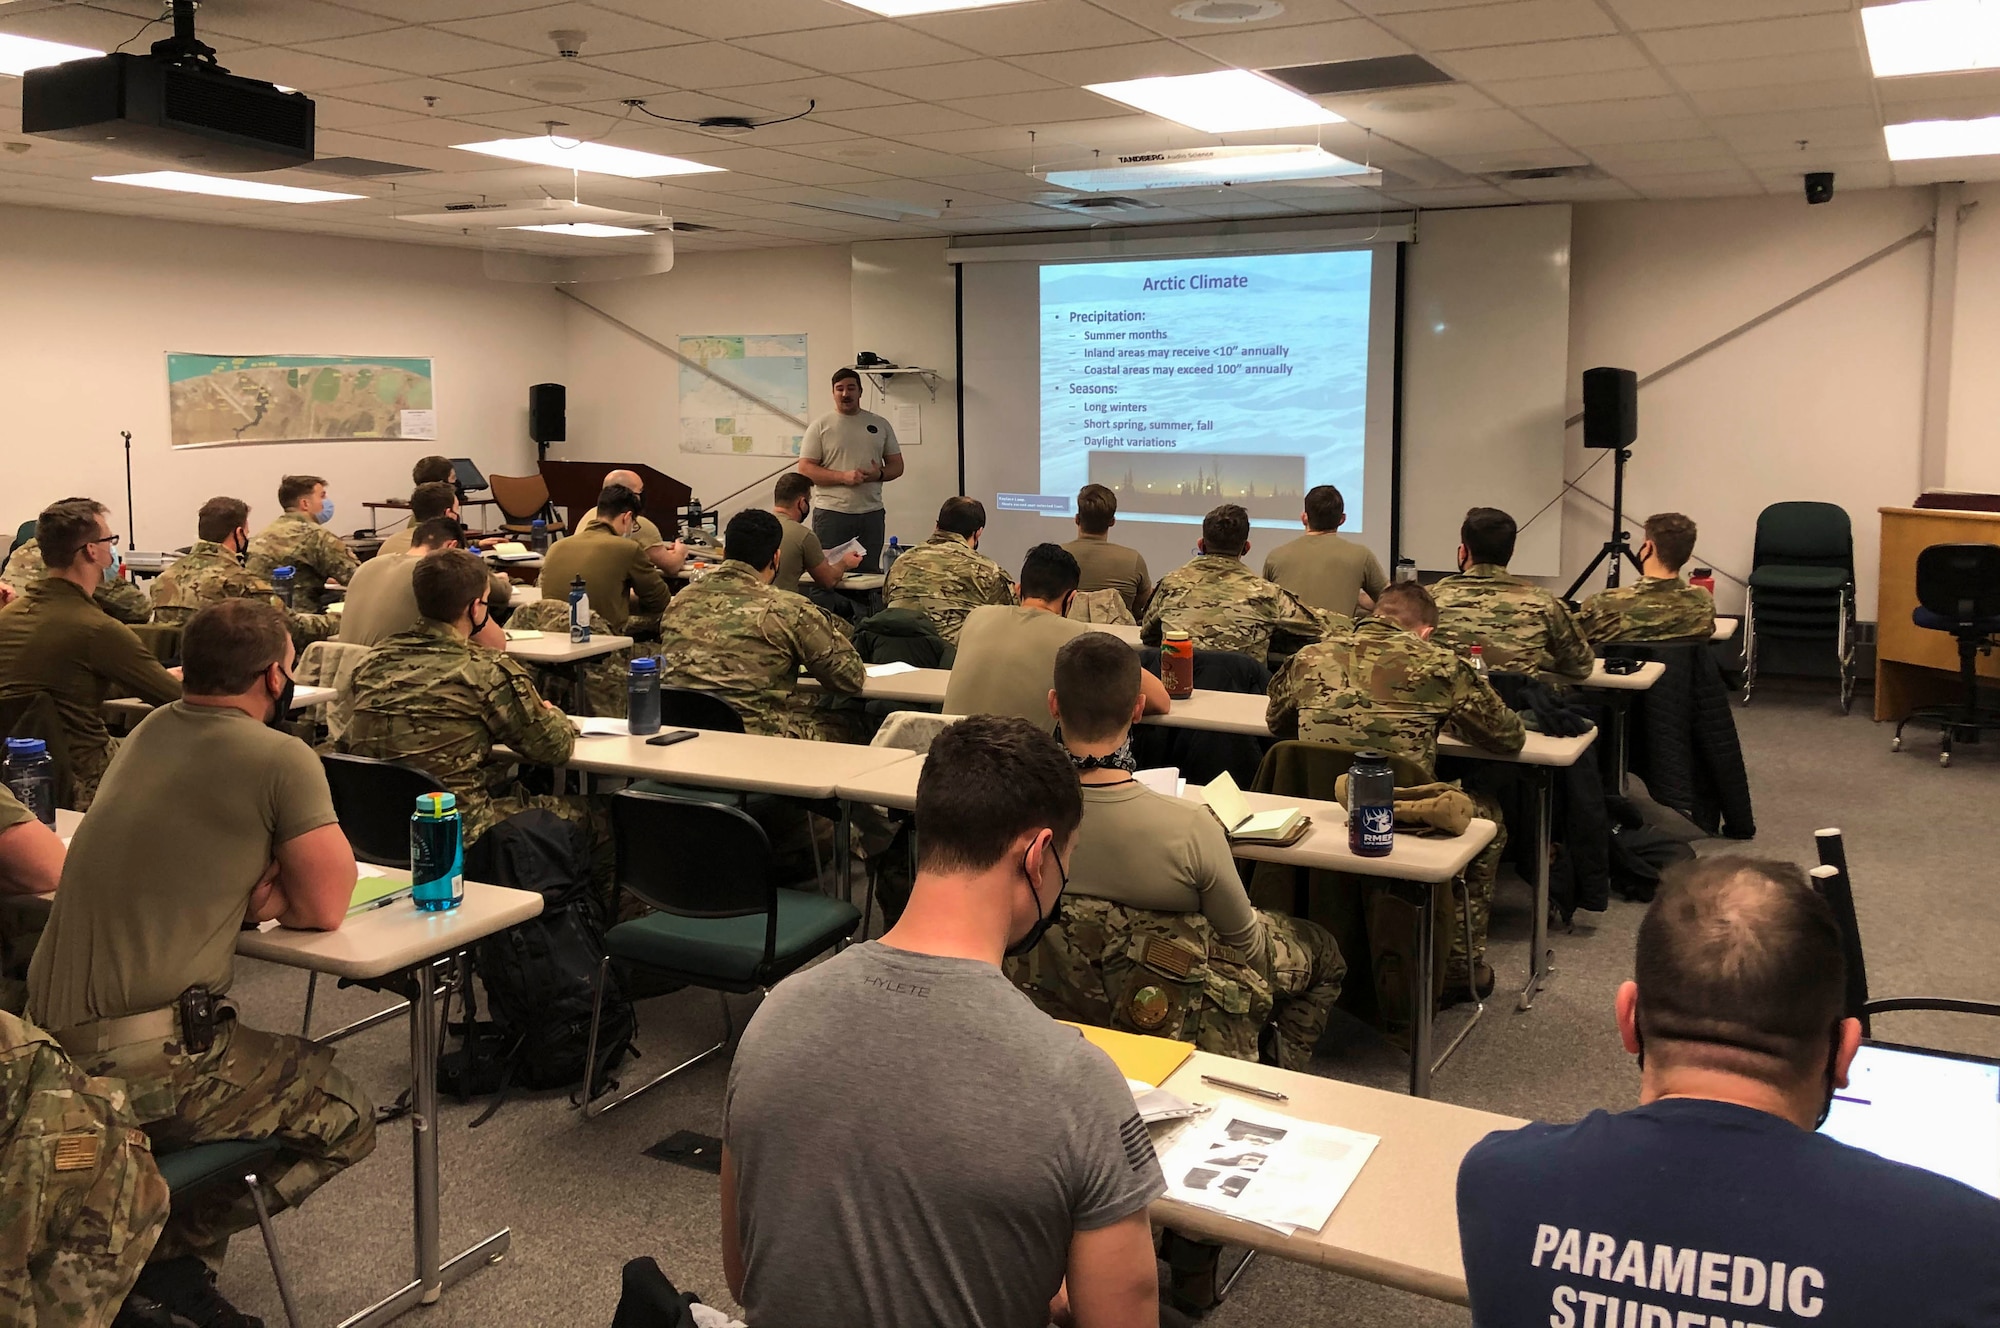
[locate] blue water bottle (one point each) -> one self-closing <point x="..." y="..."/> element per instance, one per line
<point x="579" y="612"/>
<point x="642" y="695"/>
<point x="282" y="580"/>
<point x="1371" y="806"/>
<point x="437" y="853"/>
<point x="31" y="775"/>
<point x="538" y="535"/>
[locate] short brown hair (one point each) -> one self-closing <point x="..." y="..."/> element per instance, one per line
<point x="294" y="487"/>
<point x="64" y="528"/>
<point x="1673" y="538"/>
<point x="1488" y="535"/>
<point x="1408" y="604"/>
<point x="220" y="518"/>
<point x="1096" y="509"/>
<point x="227" y="645"/>
<point x="1226" y="530"/>
<point x="962" y="516"/>
<point x="428" y="501"/>
<point x="1739" y="964"/>
<point x="1097" y="684"/>
<point x="988" y="780"/>
<point x="615" y="500"/>
<point x="791" y="487"/>
<point x="432" y="470"/>
<point x="436" y="533"/>
<point x="1325" y="508"/>
<point x="447" y="581"/>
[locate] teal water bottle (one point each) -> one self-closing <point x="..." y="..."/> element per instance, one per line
<point x="437" y="853"/>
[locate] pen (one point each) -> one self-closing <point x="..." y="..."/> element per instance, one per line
<point x="1245" y="1088"/>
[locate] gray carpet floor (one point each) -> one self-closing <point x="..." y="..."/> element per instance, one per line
<point x="582" y="1198"/>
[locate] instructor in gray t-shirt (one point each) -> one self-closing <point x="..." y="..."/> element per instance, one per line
<point x="849" y="455"/>
<point x="907" y="1141"/>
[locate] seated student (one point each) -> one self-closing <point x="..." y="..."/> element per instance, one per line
<point x="299" y="539"/>
<point x="55" y="639"/>
<point x="1152" y="870"/>
<point x="428" y="502"/>
<point x="735" y="634"/>
<point x="115" y="595"/>
<point x="1222" y="604"/>
<point x="1323" y="568"/>
<point x="212" y="569"/>
<point x="1104" y="565"/>
<point x="433" y="470"/>
<point x="946" y="577"/>
<point x="622" y="582"/>
<point x="907" y="1141"/>
<point x="668" y="557"/>
<point x="800" y="555"/>
<point x="1714" y="1201"/>
<point x="1521" y="627"/>
<point x="1659" y="606"/>
<point x="211" y="818"/>
<point x="382" y="598"/>
<point x="1007" y="655"/>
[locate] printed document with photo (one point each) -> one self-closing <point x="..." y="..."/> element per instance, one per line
<point x="1285" y="1174"/>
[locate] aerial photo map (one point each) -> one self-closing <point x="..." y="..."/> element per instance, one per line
<point x="290" y="398"/>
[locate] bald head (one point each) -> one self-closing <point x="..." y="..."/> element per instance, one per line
<point x="627" y="478"/>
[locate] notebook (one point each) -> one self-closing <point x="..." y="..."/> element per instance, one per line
<point x="1233" y="810"/>
<point x="374" y="887"/>
<point x="510" y="549"/>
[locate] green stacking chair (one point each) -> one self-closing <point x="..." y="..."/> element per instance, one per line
<point x="188" y="1171"/>
<point x="1802" y="587"/>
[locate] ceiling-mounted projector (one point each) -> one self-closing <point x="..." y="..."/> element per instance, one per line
<point x="1213" y="168"/>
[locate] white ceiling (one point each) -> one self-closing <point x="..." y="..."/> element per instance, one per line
<point x="1664" y="98"/>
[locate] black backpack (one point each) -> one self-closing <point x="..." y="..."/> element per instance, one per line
<point x="540" y="975"/>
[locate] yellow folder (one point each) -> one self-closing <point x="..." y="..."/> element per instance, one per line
<point x="1148" y="1059"/>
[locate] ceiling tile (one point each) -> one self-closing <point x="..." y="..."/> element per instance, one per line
<point x="308" y="73"/>
<point x="419" y="51"/>
<point x="703" y="65"/>
<point x="829" y="94"/>
<point x="1701" y="150"/>
<point x="1690" y="13"/>
<point x="722" y="20"/>
<point x="1779" y="38"/>
<point x="1801" y="67"/>
<point x="1406" y="6"/>
<point x="1044" y="25"/>
<point x="1115" y="64"/>
<point x="1441" y="132"/>
<point x="408" y="97"/>
<point x="1037" y="108"/>
<point x="337" y="113"/>
<point x="1501" y="24"/>
<point x="1158" y="16"/>
<point x="863" y="46"/>
<point x="1588" y="55"/>
<point x="1580" y="87"/>
<point x="910" y="118"/>
<point x="959" y="78"/>
<point x="556" y="82"/>
<point x="1784" y="97"/>
<point x="1589" y="123"/>
<point x="1313" y="43"/>
<point x="605" y="31"/>
<point x="430" y="11"/>
<point x="280" y="25"/>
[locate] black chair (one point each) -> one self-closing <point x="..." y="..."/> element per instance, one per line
<point x="721" y="922"/>
<point x="1958" y="591"/>
<point x="1802" y="586"/>
<point x="686" y="708"/>
<point x="190" y="1170"/>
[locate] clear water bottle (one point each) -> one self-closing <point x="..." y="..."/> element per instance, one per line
<point x="891" y="554"/>
<point x="1371" y="805"/>
<point x="642" y="696"/>
<point x="31" y="777"/>
<point x="579" y="612"/>
<point x="437" y="853"/>
<point x="1406" y="570"/>
<point x="284" y="581"/>
<point x="538" y="535"/>
<point x="1479" y="660"/>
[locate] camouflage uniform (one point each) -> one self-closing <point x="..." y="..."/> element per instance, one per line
<point x="315" y="553"/>
<point x="1223" y="605"/>
<point x="81" y="1202"/>
<point x="945" y="578"/>
<point x="1657" y="608"/>
<point x="121" y="599"/>
<point x="209" y="573"/>
<point x="602" y="677"/>
<point x="1524" y="628"/>
<point x="249" y="1085"/>
<point x="743" y="640"/>
<point x="1387" y="688"/>
<point x="1171" y="975"/>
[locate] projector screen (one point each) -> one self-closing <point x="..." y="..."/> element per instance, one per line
<point x="1179" y="383"/>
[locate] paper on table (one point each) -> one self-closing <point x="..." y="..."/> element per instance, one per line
<point x="889" y="670"/>
<point x="511" y="549"/>
<point x="1157" y="1104"/>
<point x="1233" y="809"/>
<point x="840" y="551"/>
<point x="524" y="634"/>
<point x="1164" y="779"/>
<point x="600" y="726"/>
<point x="1283" y="1173"/>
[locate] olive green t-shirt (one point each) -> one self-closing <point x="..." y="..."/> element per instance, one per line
<point x="12" y="812"/>
<point x="798" y="553"/>
<point x="1007" y="663"/>
<point x="381" y="601"/>
<point x="1145" y="850"/>
<point x="849" y="442"/>
<point x="1108" y="566"/>
<point x="187" y="820"/>
<point x="1326" y="571"/>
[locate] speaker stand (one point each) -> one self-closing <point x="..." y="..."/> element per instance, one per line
<point x="1619" y="546"/>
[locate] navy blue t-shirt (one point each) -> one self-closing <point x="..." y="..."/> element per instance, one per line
<point x="1698" y="1214"/>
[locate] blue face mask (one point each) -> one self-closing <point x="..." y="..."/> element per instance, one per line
<point x="111" y="573"/>
<point x="325" y="511"/>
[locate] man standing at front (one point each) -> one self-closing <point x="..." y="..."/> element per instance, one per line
<point x="299" y="539"/>
<point x="849" y="455"/>
<point x="209" y="819"/>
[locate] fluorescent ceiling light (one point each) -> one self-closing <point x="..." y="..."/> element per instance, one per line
<point x="905" y="8"/>
<point x="20" y="54"/>
<point x="223" y="187"/>
<point x="1195" y="168"/>
<point x="1922" y="140"/>
<point x="1932" y="36"/>
<point x="590" y="228"/>
<point x="1225" y="102"/>
<point x="596" y="158"/>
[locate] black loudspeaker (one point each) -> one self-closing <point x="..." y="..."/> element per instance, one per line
<point x="547" y="403"/>
<point x="1610" y="407"/>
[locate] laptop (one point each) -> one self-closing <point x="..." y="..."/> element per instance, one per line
<point x="1932" y="1109"/>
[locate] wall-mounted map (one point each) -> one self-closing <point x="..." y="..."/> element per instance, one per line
<point x="751" y="411"/>
<point x="297" y="398"/>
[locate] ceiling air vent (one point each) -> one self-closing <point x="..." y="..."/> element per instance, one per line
<point x="359" y="168"/>
<point x="1544" y="173"/>
<point x="1344" y="76"/>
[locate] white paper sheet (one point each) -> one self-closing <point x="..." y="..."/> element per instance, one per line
<point x="907" y="419"/>
<point x="1165" y="779"/>
<point x="1282" y="1173"/>
<point x="889" y="670"/>
<point x="599" y="726"/>
<point x="839" y="551"/>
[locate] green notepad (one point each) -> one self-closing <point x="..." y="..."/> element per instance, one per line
<point x="1233" y="810"/>
<point x="373" y="891"/>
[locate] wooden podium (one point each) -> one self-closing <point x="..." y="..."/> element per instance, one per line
<point x="1914" y="666"/>
<point x="574" y="486"/>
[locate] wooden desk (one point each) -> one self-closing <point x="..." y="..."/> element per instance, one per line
<point x="557" y="648"/>
<point x="1398" y="1225"/>
<point x="1915" y="667"/>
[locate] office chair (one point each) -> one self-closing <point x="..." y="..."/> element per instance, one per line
<point x="1958" y="591"/>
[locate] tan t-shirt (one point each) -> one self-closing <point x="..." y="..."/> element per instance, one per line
<point x="186" y="822"/>
<point x="798" y="554"/>
<point x="1007" y="663"/>
<point x="643" y="533"/>
<point x="392" y="546"/>
<point x="1326" y="571"/>
<point x="849" y="442"/>
<point x="381" y="601"/>
<point x="1145" y="850"/>
<point x="1108" y="566"/>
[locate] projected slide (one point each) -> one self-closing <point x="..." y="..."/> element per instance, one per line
<point x="1184" y="383"/>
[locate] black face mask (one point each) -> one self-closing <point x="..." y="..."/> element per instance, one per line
<point x="242" y="550"/>
<point x="283" y="713"/>
<point x="1043" y="921"/>
<point x="1832" y="1055"/>
<point x="479" y="623"/>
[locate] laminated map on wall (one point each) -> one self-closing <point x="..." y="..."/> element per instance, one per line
<point x="743" y="395"/>
<point x="228" y="399"/>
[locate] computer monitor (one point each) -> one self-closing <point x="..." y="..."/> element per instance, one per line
<point x="468" y="478"/>
<point x="1932" y="1109"/>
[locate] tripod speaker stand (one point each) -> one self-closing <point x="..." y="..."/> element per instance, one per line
<point x="1619" y="546"/>
<point x="1611" y="421"/>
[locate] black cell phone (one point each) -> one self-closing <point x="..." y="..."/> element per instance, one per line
<point x="671" y="736"/>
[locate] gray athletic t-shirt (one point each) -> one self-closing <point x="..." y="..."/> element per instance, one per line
<point x="849" y="442"/>
<point x="915" y="1144"/>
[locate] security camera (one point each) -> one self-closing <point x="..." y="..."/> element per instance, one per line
<point x="1819" y="186"/>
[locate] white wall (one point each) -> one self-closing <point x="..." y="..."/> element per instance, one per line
<point x="1973" y="458"/>
<point x="91" y="304"/>
<point x="905" y="307"/>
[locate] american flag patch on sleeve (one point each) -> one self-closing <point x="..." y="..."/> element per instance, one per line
<point x="1138" y="1143"/>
